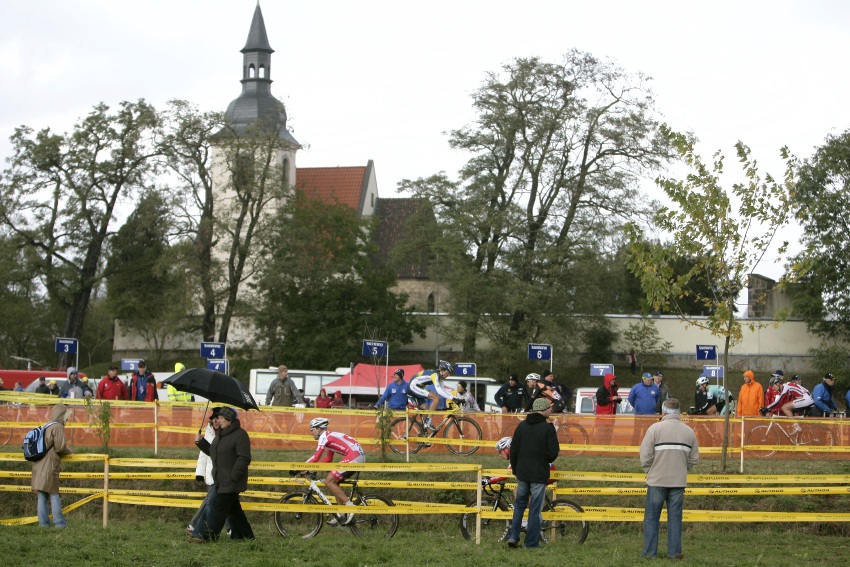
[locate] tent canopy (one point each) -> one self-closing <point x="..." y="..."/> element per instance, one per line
<point x="369" y="380"/>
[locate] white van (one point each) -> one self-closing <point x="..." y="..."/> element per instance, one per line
<point x="311" y="381"/>
<point x="586" y="401"/>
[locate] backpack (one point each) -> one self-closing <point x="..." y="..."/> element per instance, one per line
<point x="34" y="449"/>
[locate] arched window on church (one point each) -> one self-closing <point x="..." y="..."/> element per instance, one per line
<point x="286" y="173"/>
<point x="251" y="71"/>
<point x="431" y="302"/>
<point x="262" y="73"/>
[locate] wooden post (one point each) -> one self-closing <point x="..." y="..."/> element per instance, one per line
<point x="106" y="491"/>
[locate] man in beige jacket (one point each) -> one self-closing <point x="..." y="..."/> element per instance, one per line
<point x="45" y="473"/>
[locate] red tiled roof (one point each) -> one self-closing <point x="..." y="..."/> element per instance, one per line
<point x="344" y="185"/>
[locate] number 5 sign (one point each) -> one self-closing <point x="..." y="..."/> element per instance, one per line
<point x="374" y="348"/>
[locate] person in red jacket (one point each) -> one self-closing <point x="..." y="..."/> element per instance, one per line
<point x="142" y="384"/>
<point x="606" y="405"/>
<point x="323" y="400"/>
<point x="111" y="387"/>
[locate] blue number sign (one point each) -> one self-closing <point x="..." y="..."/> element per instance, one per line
<point x="465" y="369"/>
<point x="706" y="352"/>
<point x="715" y="372"/>
<point x="66" y="346"/>
<point x="130" y="364"/>
<point x="212" y="350"/>
<point x="539" y="352"/>
<point x="217" y="364"/>
<point x="377" y="349"/>
<point x="601" y="369"/>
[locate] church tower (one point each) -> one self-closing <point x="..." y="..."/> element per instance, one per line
<point x="256" y="107"/>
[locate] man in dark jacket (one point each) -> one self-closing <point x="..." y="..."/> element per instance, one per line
<point x="512" y="397"/>
<point x="533" y="447"/>
<point x="230" y="453"/>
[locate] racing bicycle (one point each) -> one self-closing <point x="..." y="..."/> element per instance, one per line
<point x="771" y="434"/>
<point x="453" y="427"/>
<point x="569" y="432"/>
<point x="306" y="524"/>
<point x="497" y="497"/>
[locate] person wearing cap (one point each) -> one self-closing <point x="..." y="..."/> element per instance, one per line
<point x="203" y="471"/>
<point x="42" y="386"/>
<point x="462" y="395"/>
<point x="644" y="396"/>
<point x="533" y="447"/>
<point x="664" y="391"/>
<point x="395" y="394"/>
<point x="52" y="388"/>
<point x="563" y="389"/>
<point x="512" y="396"/>
<point x="822" y="396"/>
<point x="751" y="395"/>
<point x="669" y="450"/>
<point x="230" y="452"/>
<point x="111" y="387"/>
<point x="73" y="387"/>
<point x="142" y="384"/>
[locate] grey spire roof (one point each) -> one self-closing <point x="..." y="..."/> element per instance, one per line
<point x="257" y="38"/>
<point x="256" y="103"/>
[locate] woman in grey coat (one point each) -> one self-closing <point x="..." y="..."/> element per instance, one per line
<point x="45" y="473"/>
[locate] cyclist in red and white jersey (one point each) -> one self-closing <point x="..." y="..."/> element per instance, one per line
<point x="792" y="397"/>
<point x="331" y="442"/>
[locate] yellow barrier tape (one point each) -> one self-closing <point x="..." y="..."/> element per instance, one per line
<point x="65" y="510"/>
<point x="159" y="463"/>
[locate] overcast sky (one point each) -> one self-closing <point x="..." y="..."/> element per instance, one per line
<point x="385" y="80"/>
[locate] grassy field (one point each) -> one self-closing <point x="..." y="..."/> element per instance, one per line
<point x="141" y="535"/>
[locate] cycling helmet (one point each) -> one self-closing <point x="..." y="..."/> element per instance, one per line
<point x="503" y="443"/>
<point x="775" y="380"/>
<point x="702" y="380"/>
<point x="319" y="422"/>
<point x="533" y="376"/>
<point x="445" y="365"/>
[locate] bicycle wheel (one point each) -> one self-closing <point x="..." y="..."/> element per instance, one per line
<point x="5" y="431"/>
<point x="399" y="433"/>
<point x="574" y="531"/>
<point x="572" y="434"/>
<point x="377" y="526"/>
<point x="491" y="528"/>
<point x="298" y="524"/>
<point x="761" y="435"/>
<point x="818" y="435"/>
<point x="462" y="428"/>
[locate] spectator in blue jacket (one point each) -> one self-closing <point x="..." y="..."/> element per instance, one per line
<point x="644" y="396"/>
<point x="396" y="393"/>
<point x="822" y="395"/>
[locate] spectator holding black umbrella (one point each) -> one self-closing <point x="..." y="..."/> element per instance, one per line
<point x="230" y="452"/>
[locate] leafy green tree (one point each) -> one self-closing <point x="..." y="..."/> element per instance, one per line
<point x="146" y="289"/>
<point x="60" y="192"/>
<point x="188" y="147"/>
<point x="321" y="292"/>
<point x="557" y="151"/>
<point x="599" y="338"/>
<point x="822" y="269"/>
<point x="704" y="223"/>
<point x="643" y="338"/>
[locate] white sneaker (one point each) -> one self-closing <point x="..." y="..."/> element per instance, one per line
<point x="333" y="522"/>
<point x="348" y="518"/>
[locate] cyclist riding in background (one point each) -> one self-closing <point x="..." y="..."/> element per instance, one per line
<point x="705" y="403"/>
<point x="435" y="378"/>
<point x="792" y="397"/>
<point x="773" y="389"/>
<point x="503" y="448"/>
<point x="329" y="443"/>
<point x="541" y="388"/>
<point x="719" y="394"/>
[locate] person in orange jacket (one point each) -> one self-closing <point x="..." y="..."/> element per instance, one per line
<point x="751" y="396"/>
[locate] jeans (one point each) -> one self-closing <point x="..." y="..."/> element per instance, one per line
<point x="530" y="495"/>
<point x="55" y="505"/>
<point x="200" y="515"/>
<point x="656" y="496"/>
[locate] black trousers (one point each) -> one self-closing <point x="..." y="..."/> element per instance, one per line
<point x="225" y="507"/>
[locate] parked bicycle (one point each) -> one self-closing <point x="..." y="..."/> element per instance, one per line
<point x="771" y="434"/>
<point x="452" y="427"/>
<point x="306" y="524"/>
<point x="496" y="497"/>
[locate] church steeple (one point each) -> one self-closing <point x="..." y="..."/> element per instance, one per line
<point x="256" y="103"/>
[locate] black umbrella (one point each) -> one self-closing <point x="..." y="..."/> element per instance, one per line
<point x="215" y="386"/>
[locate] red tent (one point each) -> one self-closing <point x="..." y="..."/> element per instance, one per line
<point x="369" y="379"/>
